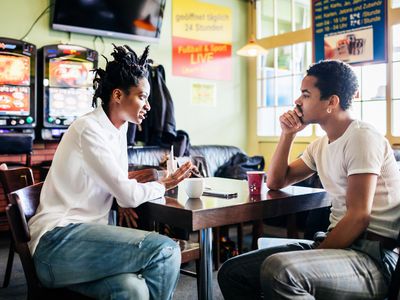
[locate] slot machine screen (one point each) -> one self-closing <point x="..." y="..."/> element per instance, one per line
<point x="17" y="86"/>
<point x="14" y="69"/>
<point x="70" y="88"/>
<point x="66" y="72"/>
<point x="14" y="85"/>
<point x="69" y="103"/>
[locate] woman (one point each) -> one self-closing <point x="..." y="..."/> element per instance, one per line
<point x="72" y="244"/>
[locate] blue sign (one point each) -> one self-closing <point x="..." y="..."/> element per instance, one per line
<point x="353" y="31"/>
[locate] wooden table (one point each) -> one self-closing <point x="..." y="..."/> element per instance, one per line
<point x="207" y="212"/>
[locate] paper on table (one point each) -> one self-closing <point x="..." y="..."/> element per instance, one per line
<point x="171" y="162"/>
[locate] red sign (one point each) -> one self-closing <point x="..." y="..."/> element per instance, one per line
<point x="201" y="59"/>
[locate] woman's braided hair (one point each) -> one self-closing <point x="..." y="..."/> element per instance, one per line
<point x="123" y="72"/>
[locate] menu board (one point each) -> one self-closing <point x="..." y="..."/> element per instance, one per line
<point x="353" y="31"/>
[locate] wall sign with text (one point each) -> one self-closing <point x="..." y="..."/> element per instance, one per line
<point x="201" y="40"/>
<point x="353" y="31"/>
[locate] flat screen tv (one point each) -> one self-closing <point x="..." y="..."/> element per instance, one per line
<point x="125" y="19"/>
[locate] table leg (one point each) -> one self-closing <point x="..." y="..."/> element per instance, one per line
<point x="258" y="230"/>
<point x="206" y="284"/>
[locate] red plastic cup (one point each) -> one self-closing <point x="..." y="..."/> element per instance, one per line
<point x="256" y="181"/>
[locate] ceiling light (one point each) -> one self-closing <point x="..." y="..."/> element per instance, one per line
<point x="252" y="48"/>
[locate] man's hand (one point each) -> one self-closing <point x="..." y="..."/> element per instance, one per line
<point x="173" y="179"/>
<point x="291" y="122"/>
<point x="129" y="216"/>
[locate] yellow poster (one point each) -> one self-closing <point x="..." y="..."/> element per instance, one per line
<point x="201" y="39"/>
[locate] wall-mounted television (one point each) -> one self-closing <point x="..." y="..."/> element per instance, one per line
<point x="126" y="19"/>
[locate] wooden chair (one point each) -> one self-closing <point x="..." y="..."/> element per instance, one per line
<point x="15" y="144"/>
<point x="23" y="205"/>
<point x="190" y="252"/>
<point x="11" y="180"/>
<point x="394" y="286"/>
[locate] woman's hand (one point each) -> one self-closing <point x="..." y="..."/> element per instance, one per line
<point x="173" y="179"/>
<point x="144" y="175"/>
<point x="129" y="216"/>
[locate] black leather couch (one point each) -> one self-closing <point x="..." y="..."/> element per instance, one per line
<point x="215" y="155"/>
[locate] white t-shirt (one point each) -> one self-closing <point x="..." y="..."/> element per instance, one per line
<point x="361" y="149"/>
<point x="89" y="168"/>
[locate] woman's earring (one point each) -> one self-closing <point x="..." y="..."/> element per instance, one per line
<point x="329" y="110"/>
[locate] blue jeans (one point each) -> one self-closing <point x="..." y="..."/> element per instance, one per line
<point x="108" y="262"/>
<point x="281" y="272"/>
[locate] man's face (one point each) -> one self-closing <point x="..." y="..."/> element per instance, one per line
<point x="310" y="103"/>
<point x="134" y="106"/>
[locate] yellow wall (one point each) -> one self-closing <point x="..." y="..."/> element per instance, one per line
<point x="224" y="124"/>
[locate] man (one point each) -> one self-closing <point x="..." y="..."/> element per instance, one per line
<point x="355" y="163"/>
<point x="72" y="245"/>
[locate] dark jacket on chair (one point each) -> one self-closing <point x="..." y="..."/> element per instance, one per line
<point x="159" y="128"/>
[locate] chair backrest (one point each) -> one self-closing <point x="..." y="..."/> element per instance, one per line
<point x="11" y="180"/>
<point x="23" y="205"/>
<point x="17" y="143"/>
<point x="15" y="179"/>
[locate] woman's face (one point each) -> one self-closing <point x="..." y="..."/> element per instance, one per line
<point x="134" y="106"/>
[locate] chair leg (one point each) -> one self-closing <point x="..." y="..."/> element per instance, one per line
<point x="258" y="228"/>
<point x="198" y="277"/>
<point x="292" y="231"/>
<point x="240" y="237"/>
<point x="10" y="261"/>
<point x="216" y="247"/>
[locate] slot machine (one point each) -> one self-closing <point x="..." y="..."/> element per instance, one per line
<point x="66" y="87"/>
<point x="17" y="87"/>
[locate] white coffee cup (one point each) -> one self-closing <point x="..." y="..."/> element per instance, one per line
<point x="194" y="187"/>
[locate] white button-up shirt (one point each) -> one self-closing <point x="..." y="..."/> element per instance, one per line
<point x="89" y="168"/>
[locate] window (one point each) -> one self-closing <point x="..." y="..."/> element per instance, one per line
<point x="293" y="15"/>
<point x="396" y="81"/>
<point x="284" y="28"/>
<point x="281" y="71"/>
<point x="279" y="81"/>
<point x="370" y="103"/>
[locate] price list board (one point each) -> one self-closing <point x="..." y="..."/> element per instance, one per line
<point x="354" y="31"/>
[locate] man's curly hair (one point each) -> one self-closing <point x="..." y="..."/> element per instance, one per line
<point x="335" y="77"/>
<point x="123" y="72"/>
